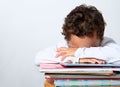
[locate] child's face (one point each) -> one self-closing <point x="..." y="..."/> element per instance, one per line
<point x="85" y="41"/>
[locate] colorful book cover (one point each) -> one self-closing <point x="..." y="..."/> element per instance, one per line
<point x="87" y="82"/>
<point x="51" y="66"/>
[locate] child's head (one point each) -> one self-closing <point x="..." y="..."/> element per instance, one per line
<point x="84" y="21"/>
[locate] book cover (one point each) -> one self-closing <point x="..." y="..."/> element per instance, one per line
<point x="57" y="65"/>
<point x="80" y="70"/>
<point x="87" y="83"/>
<point x="80" y="76"/>
<point x="51" y="66"/>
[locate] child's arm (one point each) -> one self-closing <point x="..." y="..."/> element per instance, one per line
<point x="48" y="54"/>
<point x="45" y="56"/>
<point x="108" y="51"/>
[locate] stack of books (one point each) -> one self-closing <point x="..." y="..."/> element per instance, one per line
<point x="82" y="75"/>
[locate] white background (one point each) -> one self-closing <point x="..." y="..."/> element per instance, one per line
<point x="27" y="26"/>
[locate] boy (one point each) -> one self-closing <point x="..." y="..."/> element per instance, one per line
<point x="84" y="41"/>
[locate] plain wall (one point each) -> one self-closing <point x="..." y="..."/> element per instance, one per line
<point x="27" y="26"/>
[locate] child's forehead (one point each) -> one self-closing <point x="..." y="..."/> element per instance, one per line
<point x="85" y="41"/>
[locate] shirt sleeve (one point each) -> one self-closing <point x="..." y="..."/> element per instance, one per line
<point x="45" y="55"/>
<point x="108" y="51"/>
<point x="48" y="54"/>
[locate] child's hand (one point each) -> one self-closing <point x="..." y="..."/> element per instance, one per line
<point x="91" y="60"/>
<point x="65" y="52"/>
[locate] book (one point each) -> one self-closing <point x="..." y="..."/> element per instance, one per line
<point x="100" y="71"/>
<point x="51" y="66"/>
<point x="85" y="64"/>
<point x="88" y="86"/>
<point x="66" y="65"/>
<point x="58" y="76"/>
<point x="74" y="83"/>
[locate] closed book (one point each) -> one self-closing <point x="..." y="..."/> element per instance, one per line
<point x="51" y="66"/>
<point x="91" y="86"/>
<point x="65" y="65"/>
<point x="100" y="71"/>
<point x="57" y="76"/>
<point x="75" y="83"/>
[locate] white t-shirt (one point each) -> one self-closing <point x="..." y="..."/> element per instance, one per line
<point x="108" y="51"/>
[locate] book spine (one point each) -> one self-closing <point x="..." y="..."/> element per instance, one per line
<point x="87" y="82"/>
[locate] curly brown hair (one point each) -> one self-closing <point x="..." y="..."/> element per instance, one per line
<point x="84" y="21"/>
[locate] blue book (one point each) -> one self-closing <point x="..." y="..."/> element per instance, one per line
<point x="76" y="83"/>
